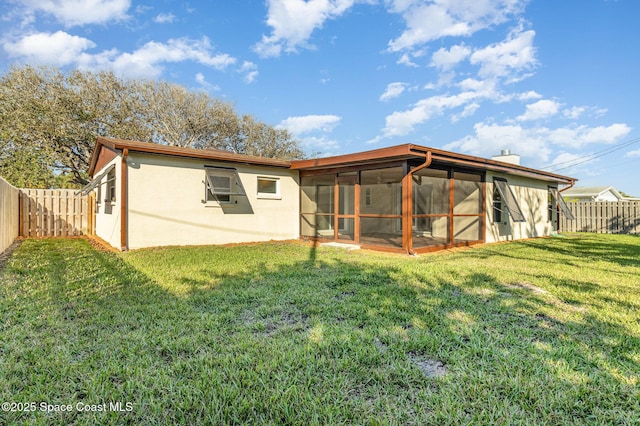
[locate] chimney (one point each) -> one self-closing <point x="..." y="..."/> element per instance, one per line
<point x="507" y="157"/>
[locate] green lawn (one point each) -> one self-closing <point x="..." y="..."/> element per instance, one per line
<point x="543" y="331"/>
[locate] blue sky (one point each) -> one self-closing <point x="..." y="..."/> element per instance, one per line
<point x="554" y="81"/>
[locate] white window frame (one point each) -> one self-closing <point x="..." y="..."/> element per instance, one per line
<point x="111" y="187"/>
<point x="268" y="195"/>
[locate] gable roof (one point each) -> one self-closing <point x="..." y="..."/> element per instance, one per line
<point x="592" y="191"/>
<point x="115" y="145"/>
<point x="411" y="151"/>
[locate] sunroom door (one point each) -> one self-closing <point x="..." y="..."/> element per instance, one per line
<point x="346" y="214"/>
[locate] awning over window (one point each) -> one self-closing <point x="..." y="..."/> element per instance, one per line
<point x="222" y="181"/>
<point x="561" y="203"/>
<point x="509" y="200"/>
<point x="95" y="182"/>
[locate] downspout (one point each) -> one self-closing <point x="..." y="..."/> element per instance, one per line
<point x="409" y="195"/>
<point x="123" y="200"/>
<point x="573" y="182"/>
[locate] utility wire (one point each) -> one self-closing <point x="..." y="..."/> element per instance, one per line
<point x="591" y="157"/>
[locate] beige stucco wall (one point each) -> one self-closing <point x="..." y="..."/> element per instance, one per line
<point x="532" y="195"/>
<point x="108" y="213"/>
<point x="166" y="204"/>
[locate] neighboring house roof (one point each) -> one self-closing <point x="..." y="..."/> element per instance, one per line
<point x="410" y="151"/>
<point x="154" y="148"/>
<point x="593" y="192"/>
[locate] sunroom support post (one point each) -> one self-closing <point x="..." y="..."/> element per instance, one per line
<point x="407" y="202"/>
<point x="407" y="236"/>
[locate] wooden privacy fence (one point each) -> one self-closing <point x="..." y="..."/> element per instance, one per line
<point x="9" y="219"/>
<point x="56" y="213"/>
<point x="603" y="217"/>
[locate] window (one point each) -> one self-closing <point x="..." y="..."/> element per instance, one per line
<point x="508" y="200"/>
<point x="497" y="205"/>
<point x="111" y="186"/>
<point x="561" y="203"/>
<point x="99" y="193"/>
<point x="268" y="187"/>
<point x="367" y="197"/>
<point x="221" y="184"/>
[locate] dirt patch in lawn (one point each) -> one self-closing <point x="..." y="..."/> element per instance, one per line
<point x="430" y="367"/>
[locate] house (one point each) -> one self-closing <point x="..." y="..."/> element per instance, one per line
<point x="595" y="193"/>
<point x="407" y="198"/>
<point x="154" y="195"/>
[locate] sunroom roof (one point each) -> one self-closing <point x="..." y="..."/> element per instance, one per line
<point x="411" y="151"/>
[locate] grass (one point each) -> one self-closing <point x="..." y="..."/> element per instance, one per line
<point x="537" y="332"/>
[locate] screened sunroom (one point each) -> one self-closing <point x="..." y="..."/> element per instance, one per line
<point x="405" y="198"/>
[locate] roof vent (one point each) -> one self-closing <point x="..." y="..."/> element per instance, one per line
<point x="507" y="157"/>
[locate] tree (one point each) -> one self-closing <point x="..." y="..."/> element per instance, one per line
<point x="49" y="122"/>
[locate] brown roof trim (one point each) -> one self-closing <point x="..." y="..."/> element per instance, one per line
<point x="359" y="158"/>
<point x="154" y="148"/>
<point x="410" y="151"/>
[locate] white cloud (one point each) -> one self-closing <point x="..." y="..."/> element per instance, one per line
<point x="63" y="49"/>
<point x="447" y="59"/>
<point x="468" y="111"/>
<point x="401" y="123"/>
<point x="602" y="134"/>
<point x="81" y="12"/>
<point x="574" y="113"/>
<point x="320" y="145"/>
<point x="484" y="88"/>
<point x="565" y="158"/>
<point x="490" y="139"/>
<point x="539" y="110"/>
<point x="534" y="142"/>
<point x="507" y="58"/>
<point x="147" y="61"/>
<point x="58" y="48"/>
<point x="293" y="21"/>
<point x="250" y="71"/>
<point x="431" y="20"/>
<point x="530" y="95"/>
<point x="635" y="153"/>
<point x="165" y="18"/>
<point x="393" y="91"/>
<point x="405" y="59"/>
<point x="200" y="78"/>
<point x="310" y="123"/>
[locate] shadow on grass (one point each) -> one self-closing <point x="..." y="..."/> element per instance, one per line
<point x="276" y="334"/>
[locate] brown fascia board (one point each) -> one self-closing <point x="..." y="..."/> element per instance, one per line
<point x="410" y="151"/>
<point x="205" y="154"/>
<point x="495" y="166"/>
<point x="359" y="158"/>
